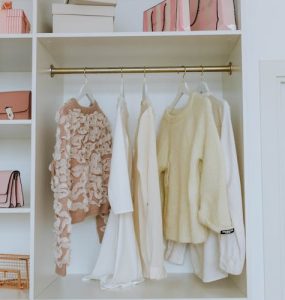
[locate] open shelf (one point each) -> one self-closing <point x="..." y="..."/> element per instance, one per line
<point x="19" y="129"/>
<point x="11" y="294"/>
<point x="129" y="14"/>
<point x="140" y="49"/>
<point x="15" y="239"/>
<point x="15" y="53"/>
<point x="178" y="286"/>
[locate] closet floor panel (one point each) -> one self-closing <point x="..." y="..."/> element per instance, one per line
<point x="176" y="286"/>
<point x="11" y="294"/>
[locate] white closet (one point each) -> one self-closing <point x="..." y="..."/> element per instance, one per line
<point x="28" y="145"/>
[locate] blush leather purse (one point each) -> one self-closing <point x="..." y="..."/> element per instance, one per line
<point x="15" y="105"/>
<point x="11" y="191"/>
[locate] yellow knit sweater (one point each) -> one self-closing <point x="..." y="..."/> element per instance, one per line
<point x="192" y="173"/>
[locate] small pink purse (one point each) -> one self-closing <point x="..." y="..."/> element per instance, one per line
<point x="169" y="15"/>
<point x="15" y="105"/>
<point x="11" y="191"/>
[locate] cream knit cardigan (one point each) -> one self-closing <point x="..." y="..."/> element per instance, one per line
<point x="192" y="173"/>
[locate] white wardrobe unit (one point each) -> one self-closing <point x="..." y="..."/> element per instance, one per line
<point x="25" y="62"/>
<point x="16" y="148"/>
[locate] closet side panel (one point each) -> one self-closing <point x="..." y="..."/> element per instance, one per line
<point x="232" y="88"/>
<point x="44" y="23"/>
<point x="49" y="94"/>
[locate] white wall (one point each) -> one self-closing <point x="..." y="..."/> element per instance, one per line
<point x="263" y="29"/>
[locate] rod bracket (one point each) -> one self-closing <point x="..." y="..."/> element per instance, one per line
<point x="51" y="71"/>
<point x="231" y="68"/>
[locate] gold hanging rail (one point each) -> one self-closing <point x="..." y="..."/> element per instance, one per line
<point x="132" y="70"/>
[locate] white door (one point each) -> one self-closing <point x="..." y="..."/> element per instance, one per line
<point x="272" y="77"/>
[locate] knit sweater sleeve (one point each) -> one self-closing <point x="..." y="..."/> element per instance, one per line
<point x="60" y="185"/>
<point x="214" y="210"/>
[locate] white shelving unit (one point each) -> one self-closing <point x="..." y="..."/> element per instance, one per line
<point x="24" y="64"/>
<point x="15" y="140"/>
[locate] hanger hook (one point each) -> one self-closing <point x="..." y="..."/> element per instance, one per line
<point x="85" y="73"/>
<point x="185" y="70"/>
<point x="144" y="73"/>
<point x="202" y="72"/>
<point x="121" y="73"/>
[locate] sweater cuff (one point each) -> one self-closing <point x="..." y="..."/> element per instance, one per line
<point x="218" y="228"/>
<point x="61" y="270"/>
<point x="232" y="267"/>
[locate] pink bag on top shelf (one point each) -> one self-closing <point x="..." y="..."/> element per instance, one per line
<point x="212" y="15"/>
<point x="14" y="21"/>
<point x="169" y="15"/>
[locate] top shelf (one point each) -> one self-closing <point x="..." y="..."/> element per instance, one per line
<point x="122" y="34"/>
<point x="16" y="36"/>
<point x="220" y="33"/>
<point x="128" y="15"/>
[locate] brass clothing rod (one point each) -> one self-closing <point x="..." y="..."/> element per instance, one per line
<point x="127" y="70"/>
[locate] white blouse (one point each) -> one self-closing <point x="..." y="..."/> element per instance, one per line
<point x="147" y="202"/>
<point x="119" y="264"/>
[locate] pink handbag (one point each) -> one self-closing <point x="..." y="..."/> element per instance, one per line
<point x="169" y="15"/>
<point x="212" y="15"/>
<point x="11" y="192"/>
<point x="15" y="105"/>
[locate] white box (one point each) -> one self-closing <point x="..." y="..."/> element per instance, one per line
<point x="82" y="18"/>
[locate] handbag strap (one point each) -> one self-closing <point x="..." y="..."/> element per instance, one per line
<point x="197" y="13"/>
<point x="164" y="18"/>
<point x="10" y="182"/>
<point x="218" y="17"/>
<point x="235" y="13"/>
<point x="16" y="180"/>
<point x="198" y="10"/>
<point x="217" y="11"/>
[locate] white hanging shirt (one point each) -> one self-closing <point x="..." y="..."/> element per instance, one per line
<point x="224" y="253"/>
<point x="119" y="264"/>
<point x="232" y="246"/>
<point x="147" y="202"/>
